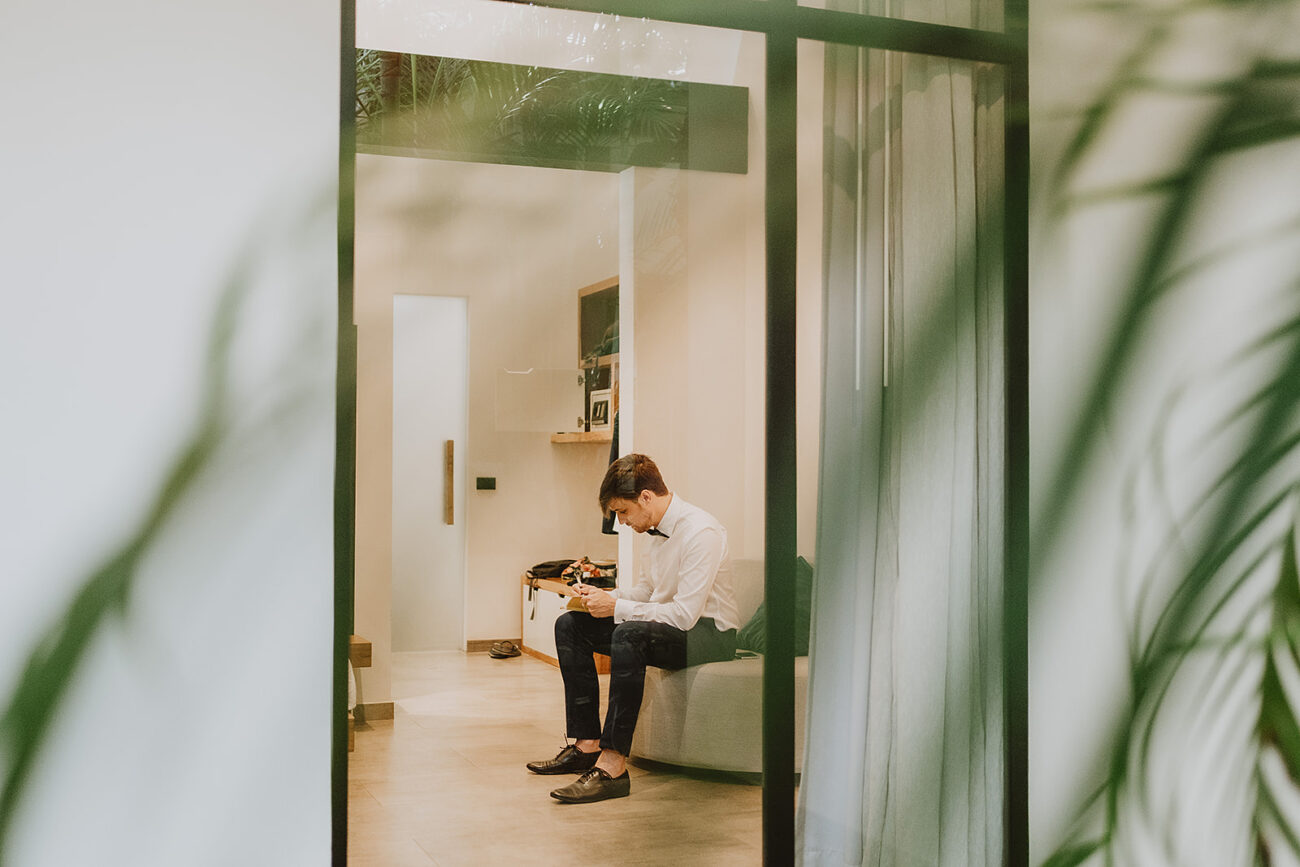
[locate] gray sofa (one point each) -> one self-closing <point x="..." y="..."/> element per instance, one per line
<point x="710" y="716"/>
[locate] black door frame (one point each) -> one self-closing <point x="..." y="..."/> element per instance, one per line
<point x="783" y="22"/>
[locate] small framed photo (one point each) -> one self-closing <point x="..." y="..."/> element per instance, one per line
<point x="598" y="411"/>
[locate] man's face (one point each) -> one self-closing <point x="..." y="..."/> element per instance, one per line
<point x="633" y="513"/>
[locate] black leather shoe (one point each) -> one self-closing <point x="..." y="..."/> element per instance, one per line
<point x="571" y="760"/>
<point x="595" y="785"/>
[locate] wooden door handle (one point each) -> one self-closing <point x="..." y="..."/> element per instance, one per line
<point x="449" y="483"/>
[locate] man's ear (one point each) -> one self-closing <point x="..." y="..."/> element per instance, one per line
<point x="646" y="497"/>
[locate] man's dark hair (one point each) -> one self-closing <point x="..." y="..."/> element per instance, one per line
<point x="627" y="477"/>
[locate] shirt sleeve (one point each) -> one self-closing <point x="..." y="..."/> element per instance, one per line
<point x="699" y="569"/>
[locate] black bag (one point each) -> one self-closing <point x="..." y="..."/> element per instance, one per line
<point x="550" y="568"/>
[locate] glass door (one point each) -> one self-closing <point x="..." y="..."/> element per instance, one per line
<point x="815" y="220"/>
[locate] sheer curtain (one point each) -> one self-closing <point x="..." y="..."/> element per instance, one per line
<point x="904" y="750"/>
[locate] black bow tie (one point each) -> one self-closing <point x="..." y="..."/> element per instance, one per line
<point x="654" y="531"/>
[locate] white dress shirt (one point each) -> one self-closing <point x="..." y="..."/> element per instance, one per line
<point x="689" y="575"/>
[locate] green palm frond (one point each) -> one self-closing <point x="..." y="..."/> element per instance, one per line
<point x="49" y="670"/>
<point x="1150" y="283"/>
<point x="231" y="423"/>
<point x="1217" y="615"/>
<point x="1278" y="773"/>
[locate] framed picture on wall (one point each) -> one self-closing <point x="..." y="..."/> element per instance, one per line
<point x="598" y="412"/>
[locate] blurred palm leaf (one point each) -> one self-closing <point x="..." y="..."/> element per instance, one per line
<point x="237" y="417"/>
<point x="50" y="669"/>
<point x="1279" y="722"/>
<point x="1231" y="613"/>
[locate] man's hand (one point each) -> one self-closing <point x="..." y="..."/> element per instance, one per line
<point x="599" y="603"/>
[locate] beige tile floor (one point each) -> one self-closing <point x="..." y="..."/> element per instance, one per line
<point x="444" y="782"/>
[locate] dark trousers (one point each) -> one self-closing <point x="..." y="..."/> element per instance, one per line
<point x="631" y="645"/>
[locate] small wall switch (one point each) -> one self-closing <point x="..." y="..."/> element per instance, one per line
<point x="485" y="483"/>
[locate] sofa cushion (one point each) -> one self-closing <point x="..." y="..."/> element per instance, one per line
<point x="711" y="715"/>
<point x="753" y="635"/>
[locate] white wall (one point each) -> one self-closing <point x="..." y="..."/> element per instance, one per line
<point x="696" y="342"/>
<point x="161" y="151"/>
<point x="519" y="243"/>
<point x="698" y="270"/>
<point x="490" y="231"/>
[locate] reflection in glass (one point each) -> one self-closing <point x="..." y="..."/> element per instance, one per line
<point x="521" y="178"/>
<point x="906" y="736"/>
<point x="452" y="108"/>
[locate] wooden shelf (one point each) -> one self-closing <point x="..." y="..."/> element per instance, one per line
<point x="538" y="623"/>
<point x="595" y="436"/>
<point x="602" y="361"/>
<point x="359" y="650"/>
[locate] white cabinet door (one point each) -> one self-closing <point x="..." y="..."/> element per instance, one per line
<point x="539" y="621"/>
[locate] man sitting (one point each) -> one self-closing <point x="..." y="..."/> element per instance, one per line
<point x="681" y="611"/>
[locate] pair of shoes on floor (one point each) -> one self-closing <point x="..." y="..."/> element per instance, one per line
<point x="595" y="785"/>
<point x="503" y="650"/>
<point x="570" y="760"/>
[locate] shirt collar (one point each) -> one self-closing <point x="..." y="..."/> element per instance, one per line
<point x="668" y="523"/>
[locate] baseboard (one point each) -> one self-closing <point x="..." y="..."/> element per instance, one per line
<point x="375" y="710"/>
<point x="537" y="654"/>
<point x="483" y="645"/>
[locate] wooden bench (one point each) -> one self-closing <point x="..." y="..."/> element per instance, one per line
<point x="539" y="613"/>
